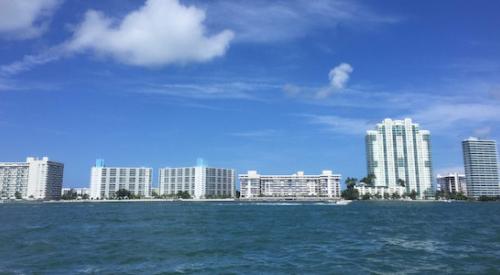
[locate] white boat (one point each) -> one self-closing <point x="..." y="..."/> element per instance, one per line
<point x="343" y="202"/>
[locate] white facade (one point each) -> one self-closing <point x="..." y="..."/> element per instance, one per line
<point x="34" y="179"/>
<point x="452" y="183"/>
<point x="105" y="181"/>
<point x="481" y="167"/>
<point x="254" y="185"/>
<point x="199" y="181"/>
<point x="399" y="153"/>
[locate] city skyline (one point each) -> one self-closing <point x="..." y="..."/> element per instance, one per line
<point x="284" y="88"/>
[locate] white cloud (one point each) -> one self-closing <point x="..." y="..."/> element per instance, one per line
<point x="292" y="90"/>
<point x="340" y="75"/>
<point x="256" y="133"/>
<point x="441" y="117"/>
<point x="261" y="21"/>
<point x="338" y="79"/>
<point x="342" y="125"/>
<point x="161" y="32"/>
<point x="23" y="19"/>
<point x="222" y="90"/>
<point x="30" y="61"/>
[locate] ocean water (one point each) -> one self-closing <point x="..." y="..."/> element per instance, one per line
<point x="250" y="238"/>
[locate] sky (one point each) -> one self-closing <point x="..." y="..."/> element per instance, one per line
<point x="277" y="87"/>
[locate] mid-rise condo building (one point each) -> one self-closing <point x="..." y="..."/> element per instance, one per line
<point x="199" y="181"/>
<point x="253" y="185"/>
<point x="452" y="183"/>
<point x="481" y="167"/>
<point x="37" y="178"/>
<point x="398" y="154"/>
<point x="106" y="181"/>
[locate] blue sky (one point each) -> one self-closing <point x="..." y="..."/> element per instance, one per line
<point x="277" y="87"/>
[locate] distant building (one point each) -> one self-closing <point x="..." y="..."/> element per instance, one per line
<point x="34" y="179"/>
<point x="80" y="192"/>
<point x="452" y="183"/>
<point x="199" y="181"/>
<point x="254" y="185"/>
<point x="481" y="167"/>
<point x="398" y="153"/>
<point x="105" y="181"/>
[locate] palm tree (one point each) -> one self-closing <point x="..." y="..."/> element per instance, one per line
<point x="401" y="182"/>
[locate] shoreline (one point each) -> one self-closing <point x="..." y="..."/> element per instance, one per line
<point x="253" y="200"/>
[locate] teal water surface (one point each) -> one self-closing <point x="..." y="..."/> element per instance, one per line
<point x="277" y="238"/>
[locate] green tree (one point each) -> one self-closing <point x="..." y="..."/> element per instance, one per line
<point x="401" y="182"/>
<point x="459" y="196"/>
<point x="183" y="195"/>
<point x="350" y="182"/>
<point x="378" y="196"/>
<point x="386" y="196"/>
<point x="71" y="195"/>
<point x="366" y="196"/>
<point x="350" y="193"/>
<point x="18" y="195"/>
<point x="413" y="195"/>
<point x="85" y="196"/>
<point x="238" y="194"/>
<point x="369" y="180"/>
<point x="123" y="194"/>
<point x="395" y="196"/>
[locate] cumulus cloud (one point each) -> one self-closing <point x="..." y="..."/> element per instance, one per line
<point x="340" y="75"/>
<point x="23" y="19"/>
<point x="159" y="33"/>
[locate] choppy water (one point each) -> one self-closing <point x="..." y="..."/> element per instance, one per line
<point x="215" y="238"/>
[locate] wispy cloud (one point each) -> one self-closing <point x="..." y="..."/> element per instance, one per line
<point x="263" y="133"/>
<point x="341" y="125"/>
<point x="441" y="117"/>
<point x="30" y="61"/>
<point x="24" y="19"/>
<point x="266" y="22"/>
<point x="222" y="90"/>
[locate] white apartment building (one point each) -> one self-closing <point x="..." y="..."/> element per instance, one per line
<point x="253" y="185"/>
<point x="37" y="178"/>
<point x="452" y="183"/>
<point x="199" y="181"/>
<point x="481" y="167"/>
<point x="399" y="155"/>
<point x="105" y="181"/>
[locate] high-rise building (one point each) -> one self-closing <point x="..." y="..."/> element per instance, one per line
<point x="34" y="179"/>
<point x="199" y="181"/>
<point x="106" y="181"/>
<point x="253" y="185"/>
<point x="398" y="153"/>
<point x="481" y="167"/>
<point x="452" y="183"/>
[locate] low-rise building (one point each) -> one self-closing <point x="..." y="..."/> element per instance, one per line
<point x="199" y="181"/>
<point x="452" y="183"/>
<point x="106" y="181"/>
<point x="79" y="192"/>
<point x="37" y="178"/>
<point x="326" y="184"/>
